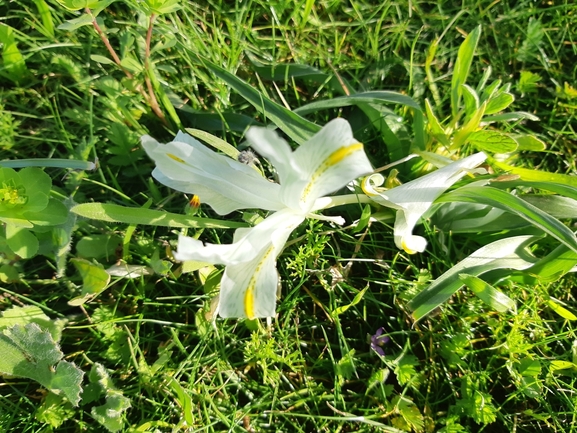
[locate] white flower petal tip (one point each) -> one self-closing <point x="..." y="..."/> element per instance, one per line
<point x="413" y="244"/>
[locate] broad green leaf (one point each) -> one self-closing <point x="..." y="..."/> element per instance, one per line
<point x="111" y="413"/>
<point x="73" y="24"/>
<point x="21" y="241"/>
<point x="295" y="126"/>
<point x="555" y="205"/>
<point x="9" y="274"/>
<point x="98" y="247"/>
<point x="549" y="268"/>
<point x="471" y="100"/>
<point x="462" y="66"/>
<point x="132" y="215"/>
<point x="499" y="103"/>
<point x="508" y="253"/>
<point x="564" y="189"/>
<point x="31" y="314"/>
<point x="54" y="410"/>
<point x="14" y="66"/>
<point x="529" y="142"/>
<point x="217" y="143"/>
<point x="492" y="141"/>
<point x="555" y="366"/>
<point x="94" y="281"/>
<point x="556" y="306"/>
<point x="159" y="7"/>
<point x="27" y="351"/>
<point x="131" y="65"/>
<point x="373" y="97"/>
<point x="510" y="203"/>
<point x="54" y="214"/>
<point x="488" y="294"/>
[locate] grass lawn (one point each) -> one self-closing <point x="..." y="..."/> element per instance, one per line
<point x="104" y="330"/>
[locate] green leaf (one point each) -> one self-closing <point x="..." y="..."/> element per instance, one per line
<point x="373" y="97"/>
<point x="556" y="306"/>
<point x="508" y="253"/>
<point x="492" y="141"/>
<point x="131" y="215"/>
<point x="434" y="126"/>
<point x="513" y="116"/>
<point x="159" y="7"/>
<point x="295" y="126"/>
<point x="44" y="12"/>
<point x="471" y="99"/>
<point x="462" y="66"/>
<point x="14" y="66"/>
<point x="510" y="203"/>
<point x="529" y="142"/>
<point x="73" y="164"/>
<point x="94" y="281"/>
<point x="55" y="213"/>
<point x="98" y="247"/>
<point x="488" y="294"/>
<point x="54" y="410"/>
<point x="32" y="353"/>
<point x="461" y="134"/>
<point x="31" y="314"/>
<point x="131" y="65"/>
<point x="499" y="103"/>
<point x="533" y="175"/>
<point x="111" y="413"/>
<point x="21" y="241"/>
<point x="101" y="59"/>
<point x="73" y="24"/>
<point x="358" y="297"/>
<point x="217" y="143"/>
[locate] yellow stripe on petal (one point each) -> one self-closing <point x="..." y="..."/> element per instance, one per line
<point x="332" y="160"/>
<point x="249" y="296"/>
<point x="176" y="158"/>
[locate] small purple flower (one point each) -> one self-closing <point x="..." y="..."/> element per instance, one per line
<point x="378" y="341"/>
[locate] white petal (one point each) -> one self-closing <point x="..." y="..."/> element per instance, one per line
<point x="221" y="182"/>
<point x="250" y="280"/>
<point x="414" y="198"/>
<point x="325" y="163"/>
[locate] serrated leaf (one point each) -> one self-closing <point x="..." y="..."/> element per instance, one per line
<point x="492" y="141"/>
<point x="32" y="353"/>
<point x="94" y="281"/>
<point x="31" y="314"/>
<point x="110" y="414"/>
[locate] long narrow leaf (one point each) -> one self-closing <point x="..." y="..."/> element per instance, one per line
<point x="296" y="127"/>
<point x="510" y="203"/>
<point x="506" y="253"/>
<point x="374" y="97"/>
<point x="462" y="66"/>
<point x="134" y="215"/>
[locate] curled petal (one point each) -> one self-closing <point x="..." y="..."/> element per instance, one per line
<point x="325" y="163"/>
<point x="414" y="198"/>
<point x="249" y="284"/>
<point x="223" y="183"/>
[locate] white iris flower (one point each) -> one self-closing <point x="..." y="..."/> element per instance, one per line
<point x="328" y="161"/>
<point x="413" y="199"/>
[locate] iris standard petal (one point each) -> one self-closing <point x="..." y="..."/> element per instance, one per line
<point x="221" y="182"/>
<point x="414" y="198"/>
<point x="250" y="280"/>
<point x="325" y="163"/>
